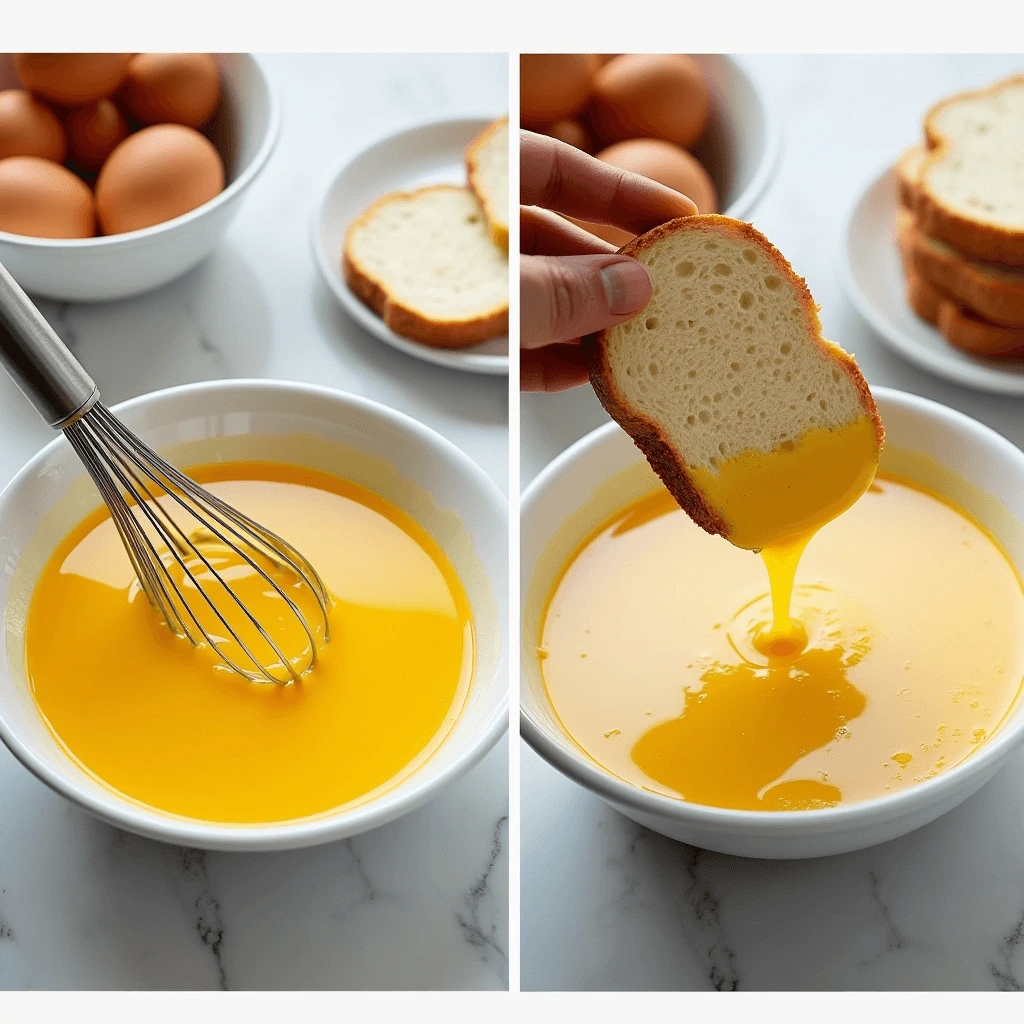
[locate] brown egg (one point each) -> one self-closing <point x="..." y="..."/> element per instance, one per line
<point x="573" y="133"/>
<point x="665" y="163"/>
<point x="180" y="88"/>
<point x="72" y="78"/>
<point x="94" y="132"/>
<point x="158" y="173"/>
<point x="29" y="128"/>
<point x="554" y="86"/>
<point x="661" y="96"/>
<point x="668" y="164"/>
<point x="44" y="200"/>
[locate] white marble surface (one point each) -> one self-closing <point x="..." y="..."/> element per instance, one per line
<point x="608" y="904"/>
<point x="419" y="904"/>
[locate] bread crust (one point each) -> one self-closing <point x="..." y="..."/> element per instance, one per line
<point x="960" y="327"/>
<point x="403" y="319"/>
<point x="908" y="174"/>
<point x="665" y="460"/>
<point x="976" y="238"/>
<point x="499" y="232"/>
<point x="963" y="280"/>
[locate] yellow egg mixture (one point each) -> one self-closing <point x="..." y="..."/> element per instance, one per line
<point x="899" y="650"/>
<point x="170" y="726"/>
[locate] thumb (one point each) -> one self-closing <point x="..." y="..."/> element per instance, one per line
<point x="566" y="297"/>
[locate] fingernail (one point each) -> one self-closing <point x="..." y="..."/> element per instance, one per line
<point x="626" y="287"/>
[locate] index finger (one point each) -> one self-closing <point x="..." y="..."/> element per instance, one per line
<point x="564" y="179"/>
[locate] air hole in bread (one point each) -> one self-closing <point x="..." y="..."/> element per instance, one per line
<point x="652" y="369"/>
<point x="746" y="300"/>
<point x="723" y="269"/>
<point x="750" y="255"/>
<point x="651" y="322"/>
<point x="704" y="416"/>
<point x="685" y="269"/>
<point x="717" y="289"/>
<point x="785" y="348"/>
<point x="771" y="282"/>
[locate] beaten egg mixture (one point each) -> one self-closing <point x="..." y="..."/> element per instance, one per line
<point x="169" y="726"/>
<point x="899" y="650"/>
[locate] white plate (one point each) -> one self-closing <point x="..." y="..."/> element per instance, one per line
<point x="427" y="154"/>
<point x="873" y="279"/>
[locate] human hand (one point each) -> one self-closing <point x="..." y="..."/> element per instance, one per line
<point x="572" y="283"/>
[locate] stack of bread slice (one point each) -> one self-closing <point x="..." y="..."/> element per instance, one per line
<point x="433" y="263"/>
<point x="960" y="227"/>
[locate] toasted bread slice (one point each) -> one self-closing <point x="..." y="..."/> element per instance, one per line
<point x="425" y="262"/>
<point x="993" y="291"/>
<point x="727" y="359"/>
<point x="487" y="171"/>
<point x="908" y="174"/>
<point x="971" y="189"/>
<point x="960" y="327"/>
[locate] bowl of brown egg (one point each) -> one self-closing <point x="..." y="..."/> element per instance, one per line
<point x="121" y="171"/>
<point x="696" y="123"/>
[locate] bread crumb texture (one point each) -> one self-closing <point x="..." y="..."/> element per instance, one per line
<point x="743" y="369"/>
<point x="432" y="250"/>
<point x="980" y="170"/>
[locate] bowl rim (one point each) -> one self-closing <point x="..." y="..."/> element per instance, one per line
<point x="576" y="766"/>
<point x="121" y="811"/>
<point x="461" y="359"/>
<point x="242" y="182"/>
<point x="768" y="163"/>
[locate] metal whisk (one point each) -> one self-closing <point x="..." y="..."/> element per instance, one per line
<point x="185" y="544"/>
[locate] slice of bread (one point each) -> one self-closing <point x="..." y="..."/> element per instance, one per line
<point x="487" y="171"/>
<point x="993" y="291"/>
<point x="960" y="327"/>
<point x="908" y="174"/>
<point x="425" y="262"/>
<point x="727" y="358"/>
<point x="971" y="189"/>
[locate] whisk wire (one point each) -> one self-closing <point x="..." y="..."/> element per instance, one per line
<point x="114" y="456"/>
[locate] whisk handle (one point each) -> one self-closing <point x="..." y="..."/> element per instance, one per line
<point x="52" y="379"/>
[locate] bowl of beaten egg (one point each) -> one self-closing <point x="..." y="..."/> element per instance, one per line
<point x="243" y="131"/>
<point x="104" y="704"/>
<point x="641" y="682"/>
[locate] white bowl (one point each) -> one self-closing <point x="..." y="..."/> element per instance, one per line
<point x="244" y="131"/>
<point x="399" y="458"/>
<point x="429" y="153"/>
<point x="575" y="487"/>
<point x="741" y="145"/>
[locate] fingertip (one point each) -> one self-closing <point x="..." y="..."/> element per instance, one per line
<point x="627" y="286"/>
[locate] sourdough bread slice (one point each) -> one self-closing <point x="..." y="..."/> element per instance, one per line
<point x="908" y="174"/>
<point x="971" y="190"/>
<point x="487" y="171"/>
<point x="727" y="358"/>
<point x="425" y="262"/>
<point x="960" y="327"/>
<point x="993" y="291"/>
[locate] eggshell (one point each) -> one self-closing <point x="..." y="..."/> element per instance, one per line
<point x="180" y="88"/>
<point x="661" y="96"/>
<point x="94" y="132"/>
<point x="573" y="133"/>
<point x="158" y="173"/>
<point x="72" y="78"/>
<point x="554" y="86"/>
<point x="44" y="200"/>
<point x="29" y="128"/>
<point x="665" y="163"/>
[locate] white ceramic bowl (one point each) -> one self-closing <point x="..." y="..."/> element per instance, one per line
<point x="401" y="459"/>
<point x="573" y="482"/>
<point x="741" y="145"/>
<point x="244" y="131"/>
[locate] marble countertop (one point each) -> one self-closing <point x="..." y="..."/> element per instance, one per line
<point x="607" y="904"/>
<point x="421" y="903"/>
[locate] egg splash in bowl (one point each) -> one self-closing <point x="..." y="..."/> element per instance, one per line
<point x="160" y="737"/>
<point x="643" y="678"/>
